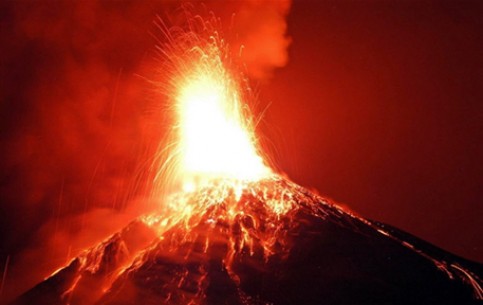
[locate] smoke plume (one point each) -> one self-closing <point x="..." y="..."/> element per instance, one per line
<point x="261" y="26"/>
<point x="76" y="128"/>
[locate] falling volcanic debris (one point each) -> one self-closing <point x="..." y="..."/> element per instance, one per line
<point x="237" y="232"/>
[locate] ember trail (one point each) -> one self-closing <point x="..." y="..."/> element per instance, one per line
<point x="215" y="157"/>
<point x="214" y="136"/>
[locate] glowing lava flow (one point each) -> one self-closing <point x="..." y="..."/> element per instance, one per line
<point x="215" y="156"/>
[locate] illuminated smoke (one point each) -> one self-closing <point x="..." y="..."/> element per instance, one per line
<point x="76" y="133"/>
<point x="261" y="27"/>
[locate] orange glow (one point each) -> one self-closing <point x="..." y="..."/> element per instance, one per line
<point x="214" y="141"/>
<point x="222" y="176"/>
<point x="213" y="129"/>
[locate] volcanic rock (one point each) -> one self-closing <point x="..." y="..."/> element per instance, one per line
<point x="267" y="242"/>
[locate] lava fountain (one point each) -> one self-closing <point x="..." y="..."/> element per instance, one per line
<point x="235" y="232"/>
<point x="215" y="131"/>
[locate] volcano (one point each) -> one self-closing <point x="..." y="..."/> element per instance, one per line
<point x="264" y="242"/>
<point x="237" y="233"/>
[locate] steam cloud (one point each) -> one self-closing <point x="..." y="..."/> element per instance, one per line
<point x="262" y="30"/>
<point x="75" y="129"/>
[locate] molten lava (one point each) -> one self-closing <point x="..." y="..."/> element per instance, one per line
<point x="216" y="140"/>
<point x="215" y="155"/>
<point x="213" y="129"/>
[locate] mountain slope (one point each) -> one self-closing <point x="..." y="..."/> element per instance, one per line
<point x="266" y="242"/>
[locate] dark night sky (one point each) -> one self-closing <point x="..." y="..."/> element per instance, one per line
<point x="379" y="107"/>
